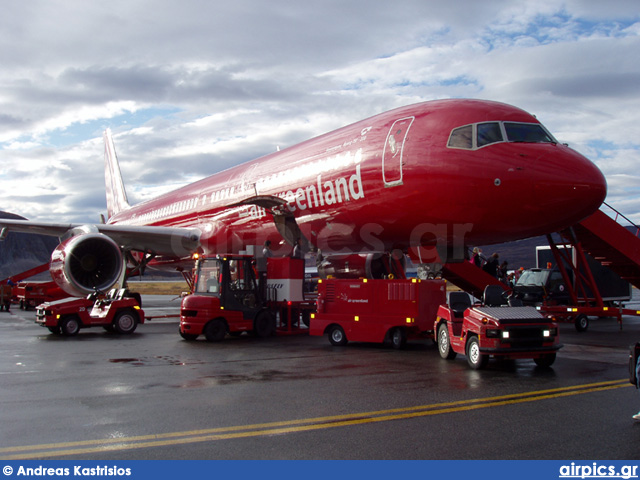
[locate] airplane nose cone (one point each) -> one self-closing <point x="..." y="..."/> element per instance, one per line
<point x="570" y="187"/>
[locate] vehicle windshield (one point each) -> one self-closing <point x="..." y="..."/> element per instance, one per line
<point x="208" y="280"/>
<point x="533" y="277"/>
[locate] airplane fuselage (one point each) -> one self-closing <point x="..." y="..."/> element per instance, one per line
<point x="450" y="172"/>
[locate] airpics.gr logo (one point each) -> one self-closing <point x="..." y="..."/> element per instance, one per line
<point x="598" y="471"/>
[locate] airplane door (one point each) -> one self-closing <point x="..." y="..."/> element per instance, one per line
<point x="392" y="155"/>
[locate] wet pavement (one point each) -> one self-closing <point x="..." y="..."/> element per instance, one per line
<point x="152" y="395"/>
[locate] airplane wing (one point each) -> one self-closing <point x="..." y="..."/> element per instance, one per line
<point x="170" y="241"/>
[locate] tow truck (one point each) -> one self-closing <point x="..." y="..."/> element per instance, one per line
<point x="226" y="297"/>
<point x="492" y="329"/>
<point x="376" y="310"/>
<point x="116" y="311"/>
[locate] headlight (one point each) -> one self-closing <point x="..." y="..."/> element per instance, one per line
<point x="505" y="334"/>
<point x="551" y="332"/>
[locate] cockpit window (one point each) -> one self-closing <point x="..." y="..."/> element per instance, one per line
<point x="527" y="132"/>
<point x="478" y="135"/>
<point x="461" y="137"/>
<point x="488" y="133"/>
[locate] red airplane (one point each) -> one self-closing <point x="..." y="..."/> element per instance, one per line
<point x="426" y="179"/>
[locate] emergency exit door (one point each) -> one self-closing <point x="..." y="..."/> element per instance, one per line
<point x="392" y="155"/>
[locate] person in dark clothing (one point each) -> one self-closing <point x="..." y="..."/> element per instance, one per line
<point x="491" y="267"/>
<point x="298" y="252"/>
<point x="502" y="272"/>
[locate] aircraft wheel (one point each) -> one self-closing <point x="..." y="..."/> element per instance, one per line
<point x="398" y="338"/>
<point x="546" y="360"/>
<point x="337" y="336"/>
<point x="264" y="325"/>
<point x="582" y="323"/>
<point x="70" y="326"/>
<point x="475" y="359"/>
<point x="125" y="322"/>
<point x="215" y="330"/>
<point x="444" y="343"/>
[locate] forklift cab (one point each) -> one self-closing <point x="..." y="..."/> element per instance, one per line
<point x="231" y="278"/>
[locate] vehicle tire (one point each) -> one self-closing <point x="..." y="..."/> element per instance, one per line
<point x="125" y="321"/>
<point x="546" y="360"/>
<point x="444" y="343"/>
<point x="215" y="330"/>
<point x="398" y="338"/>
<point x="582" y="323"/>
<point x="70" y="325"/>
<point x="54" y="330"/>
<point x="475" y="359"/>
<point x="264" y="325"/>
<point x="190" y="337"/>
<point x="337" y="336"/>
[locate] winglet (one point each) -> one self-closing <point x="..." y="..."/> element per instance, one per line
<point x="116" y="194"/>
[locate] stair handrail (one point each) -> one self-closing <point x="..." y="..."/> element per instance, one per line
<point x="618" y="214"/>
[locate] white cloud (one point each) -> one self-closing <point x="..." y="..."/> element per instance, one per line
<point x="194" y="87"/>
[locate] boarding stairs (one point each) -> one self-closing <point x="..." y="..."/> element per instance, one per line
<point x="612" y="244"/>
<point x="469" y="277"/>
<point x="26" y="274"/>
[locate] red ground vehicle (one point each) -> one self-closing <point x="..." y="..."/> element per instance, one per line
<point x="227" y="298"/>
<point x="114" y="312"/>
<point x="481" y="331"/>
<point x="376" y="310"/>
<point x="31" y="294"/>
<point x="5" y="296"/>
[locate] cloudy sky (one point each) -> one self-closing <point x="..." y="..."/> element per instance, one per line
<point x="190" y="88"/>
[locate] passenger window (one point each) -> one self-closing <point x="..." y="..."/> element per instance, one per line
<point x="488" y="133"/>
<point x="461" y="138"/>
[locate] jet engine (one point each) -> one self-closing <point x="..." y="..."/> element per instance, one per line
<point x="365" y="265"/>
<point x="86" y="262"/>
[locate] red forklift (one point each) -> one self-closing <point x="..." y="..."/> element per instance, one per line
<point x="227" y="297"/>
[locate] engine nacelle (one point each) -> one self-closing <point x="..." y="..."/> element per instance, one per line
<point x="86" y="262"/>
<point x="365" y="265"/>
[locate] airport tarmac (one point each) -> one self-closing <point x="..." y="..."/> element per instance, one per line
<point x="152" y="395"/>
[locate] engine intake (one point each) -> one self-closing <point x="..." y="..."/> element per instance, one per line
<point x="86" y="262"/>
